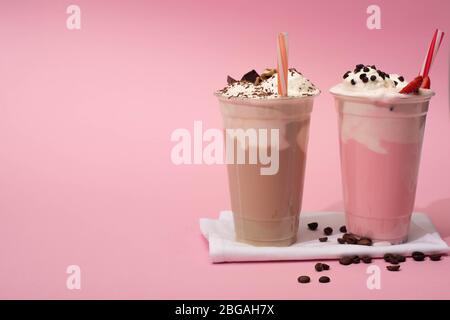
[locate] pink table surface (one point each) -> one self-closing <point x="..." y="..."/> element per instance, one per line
<point x="85" y="122"/>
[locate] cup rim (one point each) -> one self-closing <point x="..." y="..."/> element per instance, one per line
<point x="263" y="101"/>
<point x="426" y="95"/>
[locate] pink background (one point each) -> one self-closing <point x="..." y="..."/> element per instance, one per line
<point x="85" y="124"/>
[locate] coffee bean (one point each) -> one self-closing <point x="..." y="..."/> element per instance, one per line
<point x="387" y="257"/>
<point x="325" y="266"/>
<point x="324" y="279"/>
<point x="362" y="76"/>
<point x="341" y="241"/>
<point x="323" y="239"/>
<point x="356" y="260"/>
<point x="393" y="268"/>
<point x="328" y="231"/>
<point x="366" y="259"/>
<point x="313" y="226"/>
<point x="418" y="256"/>
<point x="318" y="267"/>
<point x="343" y="229"/>
<point x="401" y="78"/>
<point x="435" y="257"/>
<point x="373" y="78"/>
<point x="365" y="242"/>
<point x="346" y="261"/>
<point x="303" y="279"/>
<point x="349" y="238"/>
<point x="400" y="258"/>
<point x="365" y="80"/>
<point x="393" y="260"/>
<point x="366" y="69"/>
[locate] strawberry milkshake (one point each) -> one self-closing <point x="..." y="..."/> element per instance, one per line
<point x="381" y="127"/>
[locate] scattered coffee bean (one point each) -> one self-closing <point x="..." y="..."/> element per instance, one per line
<point x="346" y="261"/>
<point x="325" y="266"/>
<point x="387" y="257"/>
<point x="393" y="260"/>
<point x="313" y="226"/>
<point x="341" y="241"/>
<point x="393" y="268"/>
<point x="418" y="256"/>
<point x="318" y="267"/>
<point x="350" y="238"/>
<point x="343" y="229"/>
<point x="366" y="259"/>
<point x="356" y="259"/>
<point x="365" y="242"/>
<point x="324" y="279"/>
<point x="328" y="231"/>
<point x="435" y="257"/>
<point x="303" y="279"/>
<point x="323" y="239"/>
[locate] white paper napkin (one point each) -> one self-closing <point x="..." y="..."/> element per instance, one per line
<point x="223" y="247"/>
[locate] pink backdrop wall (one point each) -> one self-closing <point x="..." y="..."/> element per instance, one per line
<point x="85" y="124"/>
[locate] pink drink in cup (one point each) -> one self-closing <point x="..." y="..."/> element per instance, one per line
<point x="380" y="135"/>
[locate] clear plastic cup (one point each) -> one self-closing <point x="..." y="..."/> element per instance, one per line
<point x="380" y="150"/>
<point x="266" y="207"/>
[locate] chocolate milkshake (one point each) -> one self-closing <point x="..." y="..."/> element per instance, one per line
<point x="266" y="143"/>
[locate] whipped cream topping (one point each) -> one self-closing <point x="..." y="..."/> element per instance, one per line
<point x="368" y="81"/>
<point x="267" y="88"/>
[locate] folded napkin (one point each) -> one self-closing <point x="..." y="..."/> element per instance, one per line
<point x="223" y="247"/>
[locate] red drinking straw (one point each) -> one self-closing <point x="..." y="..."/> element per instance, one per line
<point x="432" y="52"/>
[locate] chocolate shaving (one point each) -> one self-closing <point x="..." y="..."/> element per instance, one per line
<point x="230" y="80"/>
<point x="250" y="76"/>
